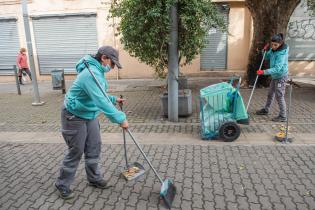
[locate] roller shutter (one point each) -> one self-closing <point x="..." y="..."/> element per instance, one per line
<point x="214" y="55"/>
<point x="62" y="40"/>
<point x="9" y="45"/>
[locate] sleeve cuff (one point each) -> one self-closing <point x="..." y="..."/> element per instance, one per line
<point x="119" y="118"/>
<point x="113" y="99"/>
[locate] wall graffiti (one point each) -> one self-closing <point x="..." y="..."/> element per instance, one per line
<point x="301" y="34"/>
<point x="303" y="29"/>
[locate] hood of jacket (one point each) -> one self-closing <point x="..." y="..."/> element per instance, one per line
<point x="282" y="49"/>
<point x="91" y="61"/>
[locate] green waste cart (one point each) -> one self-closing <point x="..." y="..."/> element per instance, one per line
<point x="221" y="110"/>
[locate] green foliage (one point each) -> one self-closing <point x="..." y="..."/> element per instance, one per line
<point x="311" y="6"/>
<point x="144" y="29"/>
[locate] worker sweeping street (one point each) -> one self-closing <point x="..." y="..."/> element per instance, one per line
<point x="80" y="127"/>
<point x="278" y="59"/>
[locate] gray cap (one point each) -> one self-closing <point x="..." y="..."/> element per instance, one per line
<point x="111" y="53"/>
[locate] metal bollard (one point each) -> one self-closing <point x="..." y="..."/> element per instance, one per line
<point x="17" y="80"/>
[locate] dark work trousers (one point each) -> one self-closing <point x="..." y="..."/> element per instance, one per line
<point x="28" y="72"/>
<point x="277" y="88"/>
<point x="81" y="136"/>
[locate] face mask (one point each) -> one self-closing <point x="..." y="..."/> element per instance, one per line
<point x="107" y="68"/>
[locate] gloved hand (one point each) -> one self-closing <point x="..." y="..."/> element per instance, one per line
<point x="124" y="124"/>
<point x="260" y="72"/>
<point x="120" y="102"/>
<point x="266" y="47"/>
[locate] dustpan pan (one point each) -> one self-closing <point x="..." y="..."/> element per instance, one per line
<point x="134" y="170"/>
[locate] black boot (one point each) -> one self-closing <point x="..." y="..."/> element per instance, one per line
<point x="279" y="119"/>
<point x="262" y="111"/>
<point x="30" y="76"/>
<point x="20" y="81"/>
<point x="102" y="184"/>
<point x="64" y="193"/>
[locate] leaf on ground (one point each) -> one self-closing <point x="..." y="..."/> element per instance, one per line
<point x="242" y="167"/>
<point x="307" y="193"/>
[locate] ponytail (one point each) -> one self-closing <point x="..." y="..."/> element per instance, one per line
<point x="281" y="35"/>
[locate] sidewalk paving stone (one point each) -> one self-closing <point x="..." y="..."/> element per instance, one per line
<point x="143" y="109"/>
<point x="208" y="175"/>
<point x="243" y="189"/>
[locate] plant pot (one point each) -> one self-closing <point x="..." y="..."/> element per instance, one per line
<point x="184" y="103"/>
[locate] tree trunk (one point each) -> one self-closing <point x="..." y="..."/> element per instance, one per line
<point x="269" y="17"/>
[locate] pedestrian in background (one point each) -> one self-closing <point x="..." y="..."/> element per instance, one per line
<point x="22" y="64"/>
<point x="278" y="60"/>
<point x="80" y="127"/>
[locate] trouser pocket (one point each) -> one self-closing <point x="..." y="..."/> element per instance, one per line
<point x="69" y="136"/>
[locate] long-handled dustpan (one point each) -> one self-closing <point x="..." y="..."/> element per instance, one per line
<point x="168" y="189"/>
<point x="134" y="170"/>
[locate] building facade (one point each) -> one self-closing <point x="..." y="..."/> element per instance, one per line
<point x="62" y="31"/>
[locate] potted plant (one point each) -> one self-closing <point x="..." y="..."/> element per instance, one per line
<point x="184" y="102"/>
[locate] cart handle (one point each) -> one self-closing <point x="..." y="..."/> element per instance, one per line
<point x="239" y="78"/>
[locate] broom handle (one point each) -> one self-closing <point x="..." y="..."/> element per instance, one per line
<point x="251" y="95"/>
<point x="124" y="135"/>
<point x="97" y="82"/>
<point x="128" y="131"/>
<point x="125" y="148"/>
<point x="145" y="157"/>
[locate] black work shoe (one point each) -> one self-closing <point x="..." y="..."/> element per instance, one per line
<point x="263" y="111"/>
<point x="279" y="119"/>
<point x="102" y="184"/>
<point x="64" y="193"/>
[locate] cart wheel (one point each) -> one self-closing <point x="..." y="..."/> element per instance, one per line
<point x="229" y="131"/>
